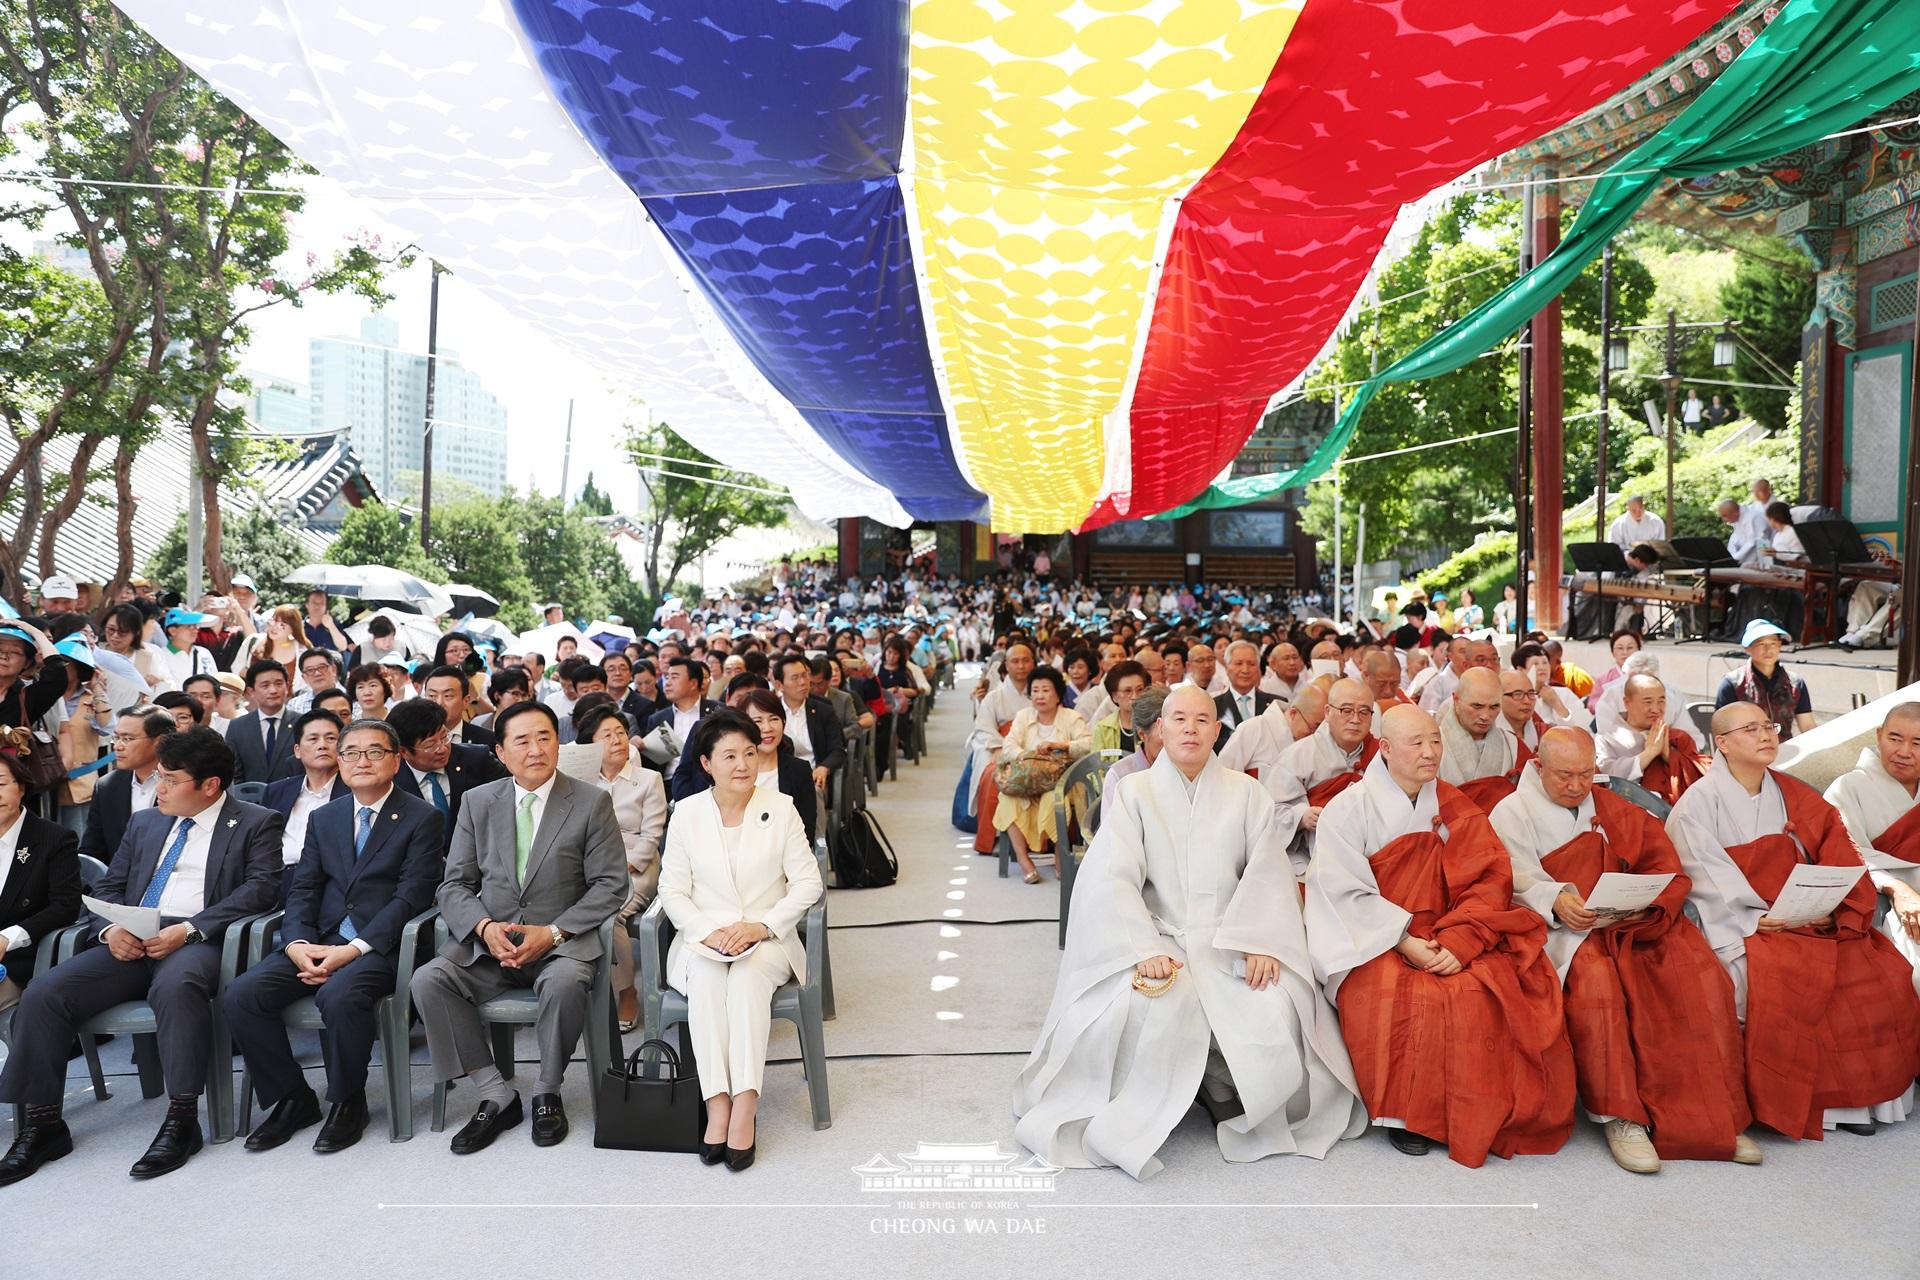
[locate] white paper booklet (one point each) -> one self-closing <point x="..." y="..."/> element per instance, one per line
<point x="1620" y="893"/>
<point x="141" y="922"/>
<point x="1812" y="892"/>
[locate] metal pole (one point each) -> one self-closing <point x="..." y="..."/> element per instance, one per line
<point x="1523" y="445"/>
<point x="1908" y="662"/>
<point x="1673" y="389"/>
<point x="1606" y="348"/>
<point x="426" y="436"/>
<point x="1359" y="556"/>
<point x="195" y="531"/>
<point x="566" y="454"/>
<point x="1338" y="536"/>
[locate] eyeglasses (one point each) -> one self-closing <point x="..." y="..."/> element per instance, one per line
<point x="1525" y="695"/>
<point x="1765" y="727"/>
<point x="1351" y="713"/>
<point x="372" y="755"/>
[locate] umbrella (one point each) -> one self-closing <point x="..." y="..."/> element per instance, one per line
<point x="471" y="600"/>
<point x="489" y="629"/>
<point x="611" y="636"/>
<point x="543" y="641"/>
<point x="418" y="634"/>
<point x="375" y="584"/>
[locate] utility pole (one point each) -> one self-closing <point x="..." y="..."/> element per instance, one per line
<point x="566" y="455"/>
<point x="1336" y="525"/>
<point x="426" y="437"/>
<point x="1672" y="379"/>
<point x="1606" y="358"/>
<point x="1523" y="445"/>
<point x="195" y="532"/>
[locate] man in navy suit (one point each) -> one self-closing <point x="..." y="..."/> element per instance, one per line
<point x="262" y="739"/>
<point x="131" y="785"/>
<point x="434" y="768"/>
<point x="205" y="860"/>
<point x="452" y="688"/>
<point x="682" y="703"/>
<point x="316" y="745"/>
<point x="372" y="862"/>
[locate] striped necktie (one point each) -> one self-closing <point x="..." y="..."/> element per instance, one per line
<point x="164" y="872"/>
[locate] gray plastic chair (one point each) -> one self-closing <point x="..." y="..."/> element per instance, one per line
<point x="92" y="871"/>
<point x="1701" y="713"/>
<point x="826" y="952"/>
<point x="797" y="1002"/>
<point x="1632" y="791"/>
<point x="520" y="1009"/>
<point x="135" y="1018"/>
<point x="394" y="1012"/>
<point x="251" y="792"/>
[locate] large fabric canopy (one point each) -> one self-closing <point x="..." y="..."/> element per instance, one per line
<point x="1821" y="66"/>
<point x="1041" y="262"/>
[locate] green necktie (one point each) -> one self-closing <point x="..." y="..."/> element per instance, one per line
<point x="523" y="837"/>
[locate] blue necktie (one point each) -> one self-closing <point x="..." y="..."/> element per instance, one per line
<point x="161" y="873"/>
<point x="439" y="793"/>
<point x="347" y="930"/>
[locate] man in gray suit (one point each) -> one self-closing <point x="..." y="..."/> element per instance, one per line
<point x="537" y="865"/>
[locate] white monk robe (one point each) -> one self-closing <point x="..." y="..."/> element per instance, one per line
<point x="1304" y="765"/>
<point x="1870" y="802"/>
<point x="1437" y="690"/>
<point x="1285" y="690"/>
<point x="1609" y="712"/>
<point x="1189" y="870"/>
<point x="1712" y="810"/>
<point x="1259" y="743"/>
<point x="1002" y="703"/>
<point x="1466" y="758"/>
<point x="1533" y="826"/>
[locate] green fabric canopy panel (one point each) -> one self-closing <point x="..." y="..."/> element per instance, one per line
<point x="1820" y="67"/>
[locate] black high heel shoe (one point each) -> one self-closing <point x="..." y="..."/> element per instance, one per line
<point x="713" y="1152"/>
<point x="738" y="1159"/>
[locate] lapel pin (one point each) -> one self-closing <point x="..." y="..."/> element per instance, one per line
<point x="21" y="856"/>
<point x="232" y="823"/>
<point x="765" y="815"/>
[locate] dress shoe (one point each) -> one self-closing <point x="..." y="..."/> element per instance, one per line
<point x="1632" y="1148"/>
<point x="490" y="1120"/>
<point x="346" y="1121"/>
<point x="1864" y="1130"/>
<point x="34" y="1146"/>
<point x="1407" y="1142"/>
<point x="738" y="1159"/>
<point x="289" y="1116"/>
<point x="713" y="1152"/>
<point x="549" y="1120"/>
<point x="1746" y="1150"/>
<point x="179" y="1137"/>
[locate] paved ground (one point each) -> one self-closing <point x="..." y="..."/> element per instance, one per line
<point x="941" y="982"/>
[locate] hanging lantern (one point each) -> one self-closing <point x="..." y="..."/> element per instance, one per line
<point x="1617" y="355"/>
<point x="1723" y="348"/>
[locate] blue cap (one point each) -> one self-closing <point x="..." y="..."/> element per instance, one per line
<point x="1759" y="629"/>
<point x="77" y="649"/>
<point x="18" y="633"/>
<point x="185" y="618"/>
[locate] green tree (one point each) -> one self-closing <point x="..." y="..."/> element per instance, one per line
<point x="592" y="501"/>
<point x="182" y="254"/>
<point x="687" y="517"/>
<point x="1768" y="299"/>
<point x="476" y="543"/>
<point x="258" y="544"/>
<point x="375" y="533"/>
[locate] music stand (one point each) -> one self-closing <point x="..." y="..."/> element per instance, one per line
<point x="1669" y="558"/>
<point x="1706" y="555"/>
<point x="1833" y="543"/>
<point x="1598" y="557"/>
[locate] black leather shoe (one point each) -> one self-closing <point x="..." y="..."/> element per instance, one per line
<point x="489" y="1122"/>
<point x="549" y="1120"/>
<point x="738" y="1159"/>
<point x="1864" y="1130"/>
<point x="1407" y="1142"/>
<point x="179" y="1137"/>
<point x="713" y="1152"/>
<point x="346" y="1121"/>
<point x="36" y="1145"/>
<point x="289" y="1116"/>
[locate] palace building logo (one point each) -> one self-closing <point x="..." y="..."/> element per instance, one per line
<point x="957" y="1166"/>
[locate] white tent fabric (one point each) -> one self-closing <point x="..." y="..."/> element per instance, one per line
<point x="490" y="177"/>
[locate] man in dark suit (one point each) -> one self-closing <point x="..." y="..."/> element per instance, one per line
<point x="371" y="863"/>
<point x="537" y="866"/>
<point x="432" y="767"/>
<point x="130" y="787"/>
<point x="681" y="688"/>
<point x="316" y="744"/>
<point x="205" y="861"/>
<point x="449" y="687"/>
<point x="813" y="726"/>
<point x="39" y="874"/>
<point x="1243" y="699"/>
<point x="261" y="741"/>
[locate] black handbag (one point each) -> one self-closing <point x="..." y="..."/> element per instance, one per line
<point x="642" y="1106"/>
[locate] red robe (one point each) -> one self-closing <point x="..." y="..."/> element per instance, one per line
<point x="1478" y="1060"/>
<point x="1902" y="839"/>
<point x="1669" y="776"/>
<point x="1650" y="1010"/>
<point x="1832" y="1016"/>
<point x="987" y="799"/>
<point x="1319" y="795"/>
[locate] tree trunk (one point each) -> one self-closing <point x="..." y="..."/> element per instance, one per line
<point x="215" y="564"/>
<point x="69" y="502"/>
<point x="124" y="503"/>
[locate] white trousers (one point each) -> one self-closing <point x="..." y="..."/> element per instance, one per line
<point x="1867" y="612"/>
<point x="729" y="1013"/>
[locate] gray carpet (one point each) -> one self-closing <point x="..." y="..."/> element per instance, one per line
<point x="383" y="1210"/>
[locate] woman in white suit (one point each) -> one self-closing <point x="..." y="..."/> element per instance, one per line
<point x="736" y="879"/>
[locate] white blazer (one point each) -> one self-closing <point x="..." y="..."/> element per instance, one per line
<point x="772" y="882"/>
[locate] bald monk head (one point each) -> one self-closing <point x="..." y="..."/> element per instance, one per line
<point x="1308" y="710"/>
<point x="1482" y="653"/>
<point x="1643" y="702"/>
<point x="1898" y="740"/>
<point x="1476" y="703"/>
<point x="1188" y="727"/>
<point x="1285" y="661"/>
<point x="1349" y="713"/>
<point x="1383" y="674"/>
<point x="1410" y="744"/>
<point x="1326" y="650"/>
<point x="1200" y="664"/>
<point x="1748" y="739"/>
<point x="1517" y="699"/>
<point x="1566" y="766"/>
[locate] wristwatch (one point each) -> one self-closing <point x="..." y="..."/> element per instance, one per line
<point x="559" y="934"/>
<point x="194" y="934"/>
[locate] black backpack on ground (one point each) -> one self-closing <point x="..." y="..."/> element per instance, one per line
<point x="863" y="857"/>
